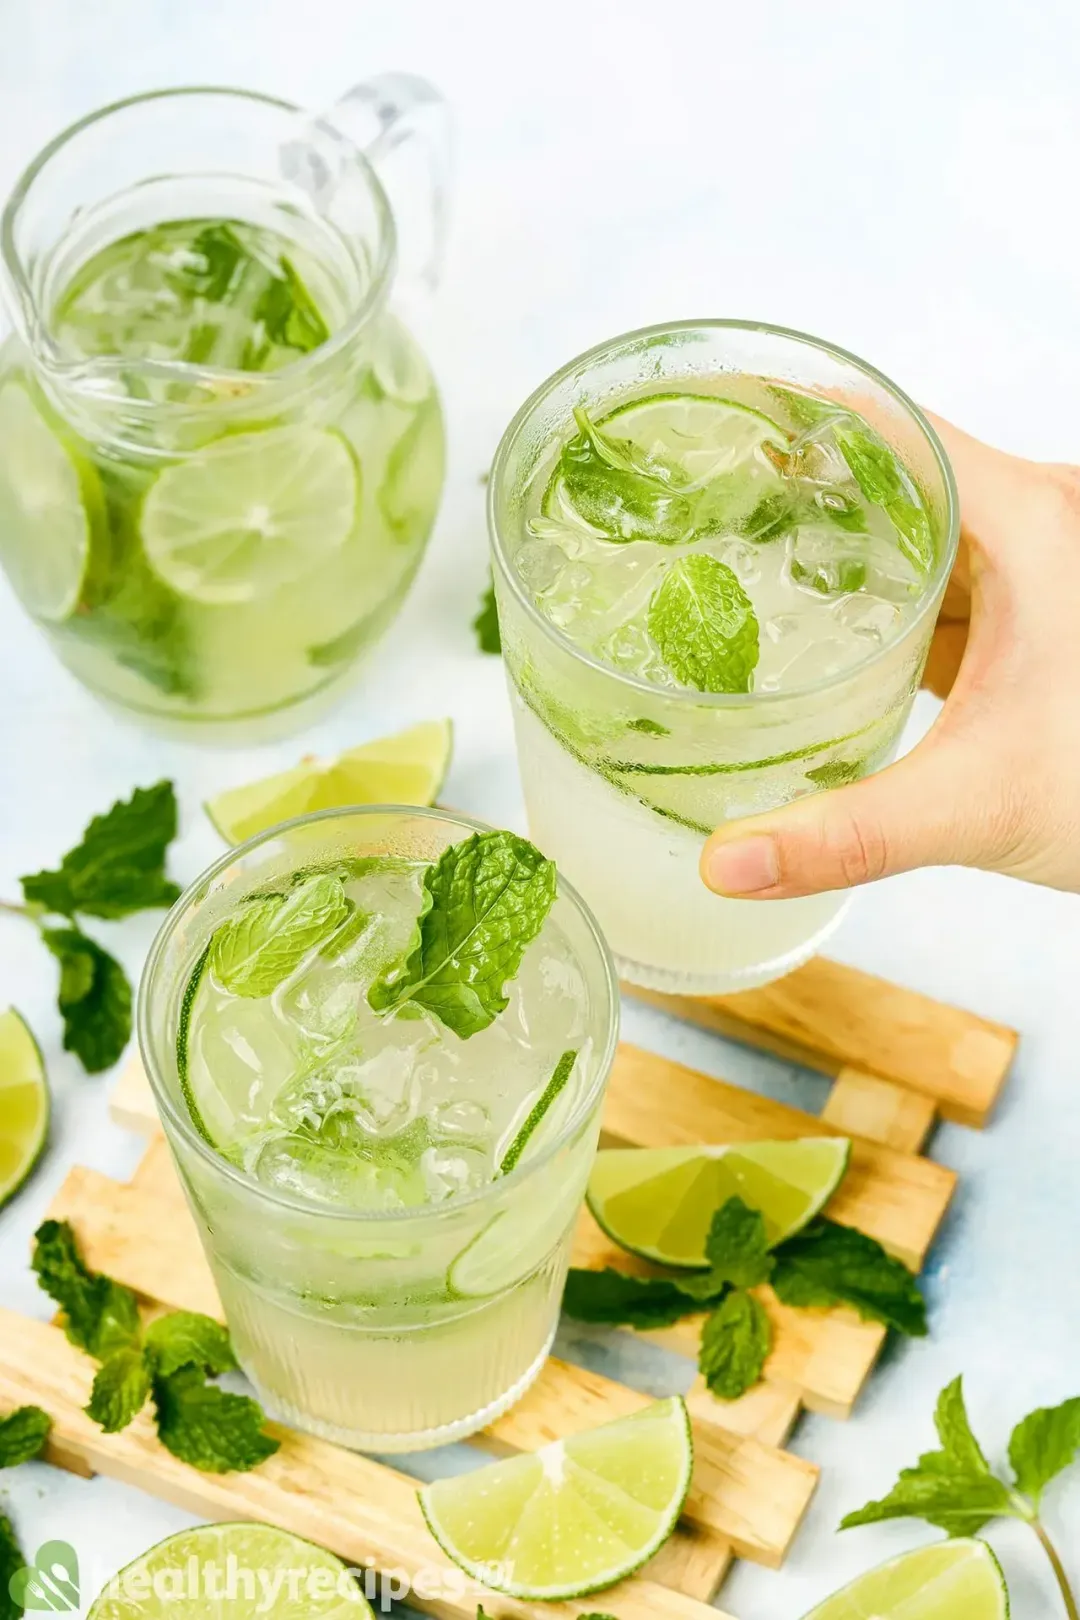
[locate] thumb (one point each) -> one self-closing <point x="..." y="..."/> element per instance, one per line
<point x="919" y="812"/>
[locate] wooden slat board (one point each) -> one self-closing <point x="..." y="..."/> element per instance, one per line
<point x="900" y="1059"/>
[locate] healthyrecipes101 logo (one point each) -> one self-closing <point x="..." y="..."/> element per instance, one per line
<point x="50" y="1582"/>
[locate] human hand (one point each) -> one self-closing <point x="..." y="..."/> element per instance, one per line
<point x="996" y="782"/>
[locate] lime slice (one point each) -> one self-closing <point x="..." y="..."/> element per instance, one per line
<point x="943" y="1582"/>
<point x="185" y="1577"/>
<point x="659" y="1202"/>
<point x="701" y="433"/>
<point x="573" y="1517"/>
<point x="251" y="513"/>
<point x="512" y="1245"/>
<point x="46" y="498"/>
<point x="24" y="1104"/>
<point x="407" y="768"/>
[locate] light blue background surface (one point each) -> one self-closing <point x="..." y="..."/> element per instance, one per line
<point x="900" y="180"/>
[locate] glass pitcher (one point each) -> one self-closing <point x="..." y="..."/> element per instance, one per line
<point x="221" y="454"/>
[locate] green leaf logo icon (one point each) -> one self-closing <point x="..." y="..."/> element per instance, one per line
<point x="50" y="1582"/>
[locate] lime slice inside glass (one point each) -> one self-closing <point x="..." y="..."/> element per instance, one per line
<point x="185" y="1578"/>
<point x="659" y="1202"/>
<point x="573" y="1517"/>
<point x="407" y="768"/>
<point x="45" y="501"/>
<point x="943" y="1582"/>
<point x="702" y="434"/>
<point x="251" y="513"/>
<point x="24" y="1104"/>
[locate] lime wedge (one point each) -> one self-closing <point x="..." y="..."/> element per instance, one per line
<point x="46" y="498"/>
<point x="186" y="1577"/>
<point x="659" y="1202"/>
<point x="943" y="1582"/>
<point x="407" y="768"/>
<point x="573" y="1517"/>
<point x="700" y="433"/>
<point x="24" y="1104"/>
<point x="251" y="513"/>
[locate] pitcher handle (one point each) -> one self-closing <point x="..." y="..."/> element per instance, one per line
<point x="402" y="125"/>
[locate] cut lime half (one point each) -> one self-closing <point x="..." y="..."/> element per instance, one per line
<point x="573" y="1517"/>
<point x="24" y="1104"/>
<point x="953" y="1580"/>
<point x="186" y="1577"/>
<point x="659" y="1202"/>
<point x="45" y="502"/>
<point x="407" y="768"/>
<point x="251" y="513"/>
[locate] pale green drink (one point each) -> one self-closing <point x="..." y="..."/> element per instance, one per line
<point x="386" y="1164"/>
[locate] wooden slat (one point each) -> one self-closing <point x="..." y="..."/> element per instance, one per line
<point x="828" y="1016"/>
<point x="747" y="1495"/>
<point x="769" y="1411"/>
<point x="897" y="1198"/>
<point x="131" y="1102"/>
<point x="825" y="1356"/>
<point x="365" y="1512"/>
<point x="862" y="1105"/>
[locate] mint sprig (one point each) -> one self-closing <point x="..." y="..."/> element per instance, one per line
<point x="117" y="868"/>
<point x="822" y="1266"/>
<point x="620" y="491"/>
<point x="704" y="625"/>
<point x="256" y="950"/>
<point x="173" y="1362"/>
<point x="12" y="1560"/>
<point x="23" y="1434"/>
<point x="956" y="1490"/>
<point x="485" y="900"/>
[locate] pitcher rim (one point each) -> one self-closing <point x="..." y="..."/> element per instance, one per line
<point x="43" y="345"/>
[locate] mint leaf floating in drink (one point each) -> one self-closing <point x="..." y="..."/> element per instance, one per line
<point x="100" y="1315"/>
<point x="255" y="951"/>
<point x="829" y="1264"/>
<point x="94" y="998"/>
<point x="704" y="625"/>
<point x="486" y="899"/>
<point x="119" y="1391"/>
<point x="1043" y="1446"/>
<point x="621" y="491"/>
<point x="735" y="1344"/>
<point x="883" y="482"/>
<point x="23" y="1434"/>
<point x="119" y="866"/>
<point x="207" y="1426"/>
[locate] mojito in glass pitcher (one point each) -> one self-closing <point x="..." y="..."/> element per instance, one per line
<point x="221" y="450"/>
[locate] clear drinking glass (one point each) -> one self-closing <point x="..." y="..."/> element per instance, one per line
<point x="221" y="450"/>
<point x="624" y="778"/>
<point x="386" y="1329"/>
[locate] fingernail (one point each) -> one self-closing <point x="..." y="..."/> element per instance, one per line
<point x="744" y="867"/>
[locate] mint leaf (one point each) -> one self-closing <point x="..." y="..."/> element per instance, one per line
<point x="881" y="479"/>
<point x="119" y="867"/>
<point x="256" y="950"/>
<point x="620" y="491"/>
<point x="486" y="899"/>
<point x="773" y="515"/>
<point x="23" y="1433"/>
<point x="187" y="1339"/>
<point x="100" y="1315"/>
<point x="208" y="1427"/>
<point x="835" y="1265"/>
<point x="614" y="1298"/>
<point x="94" y="998"/>
<point x="648" y="728"/>
<point x="737" y="1247"/>
<point x="952" y="1489"/>
<point x="121" y="1385"/>
<point x="486" y="623"/>
<point x="563" y="1070"/>
<point x="704" y="625"/>
<point x="1044" y="1445"/>
<point x="735" y="1344"/>
<point x="12" y="1562"/>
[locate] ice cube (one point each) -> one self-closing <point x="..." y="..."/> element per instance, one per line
<point x="868" y="616"/>
<point x="540" y="564"/>
<point x="743" y="560"/>
<point x="339" y="1166"/>
<point x="782" y="625"/>
<point x="461" y="1121"/>
<point x="448" y="1173"/>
